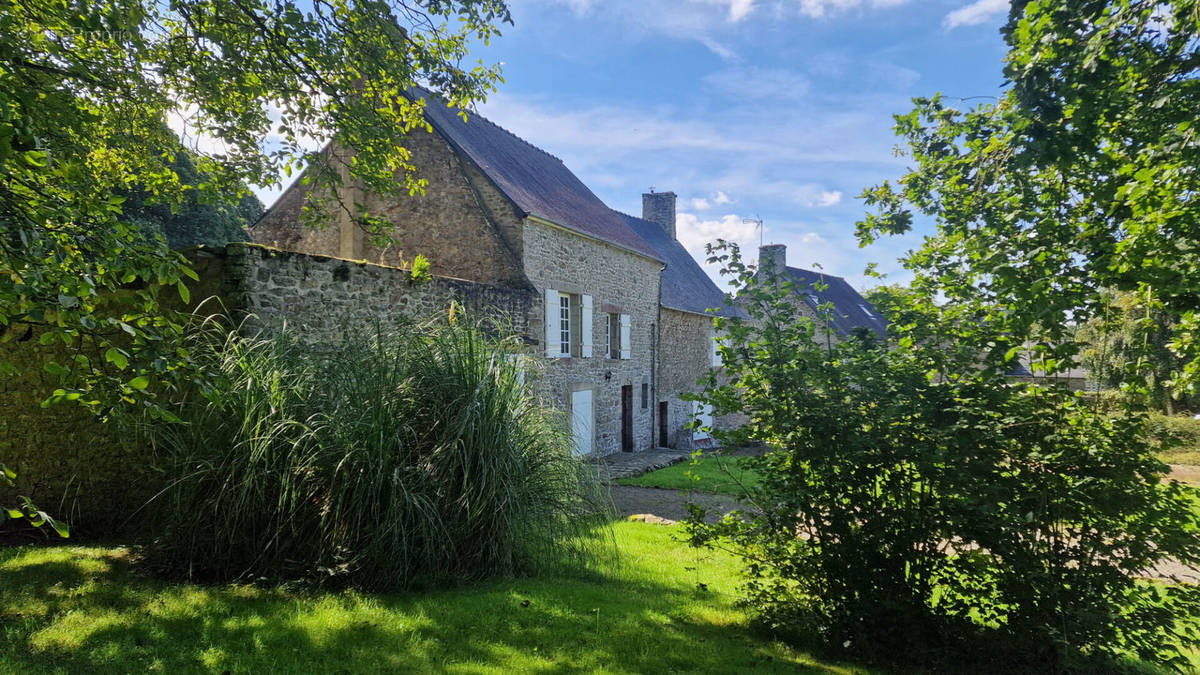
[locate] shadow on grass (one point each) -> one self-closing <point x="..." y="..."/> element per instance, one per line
<point x="88" y="609"/>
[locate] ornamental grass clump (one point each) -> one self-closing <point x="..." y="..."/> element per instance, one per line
<point x="409" y="456"/>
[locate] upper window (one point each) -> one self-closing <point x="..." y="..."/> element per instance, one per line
<point x="564" y="323"/>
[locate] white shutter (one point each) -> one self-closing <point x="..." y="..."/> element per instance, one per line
<point x="716" y="351"/>
<point x="585" y="324"/>
<point x="625" y="335"/>
<point x="582" y="427"/>
<point x="552" y="327"/>
<point x="702" y="416"/>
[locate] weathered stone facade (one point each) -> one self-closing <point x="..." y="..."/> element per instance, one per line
<point x="680" y="367"/>
<point x="620" y="282"/>
<point x="461" y="224"/>
<point x="499" y="211"/>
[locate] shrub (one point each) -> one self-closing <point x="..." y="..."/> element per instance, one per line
<point x="415" y="455"/>
<point x="913" y="506"/>
<point x="1178" y="438"/>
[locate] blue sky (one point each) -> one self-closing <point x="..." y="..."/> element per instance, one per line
<point x="779" y="109"/>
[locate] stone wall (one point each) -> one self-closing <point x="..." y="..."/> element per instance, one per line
<point x="620" y="282"/>
<point x="94" y="475"/>
<point x="461" y="223"/>
<point x="324" y="296"/>
<point x="89" y="475"/>
<point x="685" y="358"/>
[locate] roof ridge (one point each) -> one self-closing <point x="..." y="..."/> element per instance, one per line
<point x="824" y="274"/>
<point x="472" y="111"/>
<point x="630" y="215"/>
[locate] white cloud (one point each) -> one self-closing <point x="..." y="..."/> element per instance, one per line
<point x="738" y="9"/>
<point x="721" y="198"/>
<point x="759" y="83"/>
<point x="827" y="198"/>
<point x="975" y="13"/>
<point x="821" y="8"/>
<point x="700" y="204"/>
<point x="694" y="233"/>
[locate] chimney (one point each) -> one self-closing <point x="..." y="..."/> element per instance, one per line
<point x="772" y="258"/>
<point x="659" y="207"/>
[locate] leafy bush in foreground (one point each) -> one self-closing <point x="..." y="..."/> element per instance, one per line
<point x="913" y="506"/>
<point x="414" y="456"/>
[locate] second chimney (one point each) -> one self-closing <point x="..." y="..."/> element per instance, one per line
<point x="659" y="207"/>
<point x="772" y="258"/>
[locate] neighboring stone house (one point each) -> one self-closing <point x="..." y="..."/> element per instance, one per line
<point x="689" y="347"/>
<point x="618" y="304"/>
<point x="850" y="311"/>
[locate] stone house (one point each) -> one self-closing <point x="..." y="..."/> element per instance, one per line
<point x="850" y="311"/>
<point x="615" y="308"/>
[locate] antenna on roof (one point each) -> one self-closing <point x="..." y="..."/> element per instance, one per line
<point x="757" y="221"/>
<point x="651" y="189"/>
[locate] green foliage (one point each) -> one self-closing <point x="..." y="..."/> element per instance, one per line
<point x="723" y="475"/>
<point x="198" y="218"/>
<point x="417" y="456"/>
<point x="1128" y="342"/>
<point x="85" y="89"/>
<point x="27" y="511"/>
<point x="91" y="609"/>
<point x="914" y="503"/>
<point x="1178" y="439"/>
<point x="1080" y="178"/>
<point x="420" y="272"/>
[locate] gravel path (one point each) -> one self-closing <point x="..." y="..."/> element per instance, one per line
<point x="668" y="504"/>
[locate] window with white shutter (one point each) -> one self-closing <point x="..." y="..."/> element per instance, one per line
<point x="715" y="356"/>
<point x="564" y="324"/>
<point x="585" y="324"/>
<point x="626" y="353"/>
<point x="552" y="343"/>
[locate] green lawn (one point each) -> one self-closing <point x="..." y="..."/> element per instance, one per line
<point x="1186" y="433"/>
<point x="663" y="608"/>
<point x="708" y="474"/>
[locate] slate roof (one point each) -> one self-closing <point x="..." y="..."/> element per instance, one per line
<point x="535" y="181"/>
<point x="850" y="310"/>
<point x="685" y="286"/>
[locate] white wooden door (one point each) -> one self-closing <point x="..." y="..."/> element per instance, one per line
<point x="581" y="421"/>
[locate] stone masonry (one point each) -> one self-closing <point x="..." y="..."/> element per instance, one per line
<point x="681" y="367"/>
<point x="450" y="224"/>
<point x="323" y="296"/>
<point x="620" y="282"/>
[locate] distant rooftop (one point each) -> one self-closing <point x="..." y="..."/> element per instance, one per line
<point x="850" y="309"/>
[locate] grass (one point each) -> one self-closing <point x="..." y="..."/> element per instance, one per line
<point x="1184" y="431"/>
<point x="664" y="608"/>
<point x="724" y="475"/>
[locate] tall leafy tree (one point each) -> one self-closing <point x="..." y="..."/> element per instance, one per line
<point x="1080" y="177"/>
<point x="1128" y="341"/>
<point x="87" y="88"/>
<point x="198" y="218"/>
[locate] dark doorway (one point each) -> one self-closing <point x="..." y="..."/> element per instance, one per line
<point x="627" y="418"/>
<point x="662" y="424"/>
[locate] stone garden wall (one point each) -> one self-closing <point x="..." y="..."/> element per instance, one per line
<point x="95" y="476"/>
